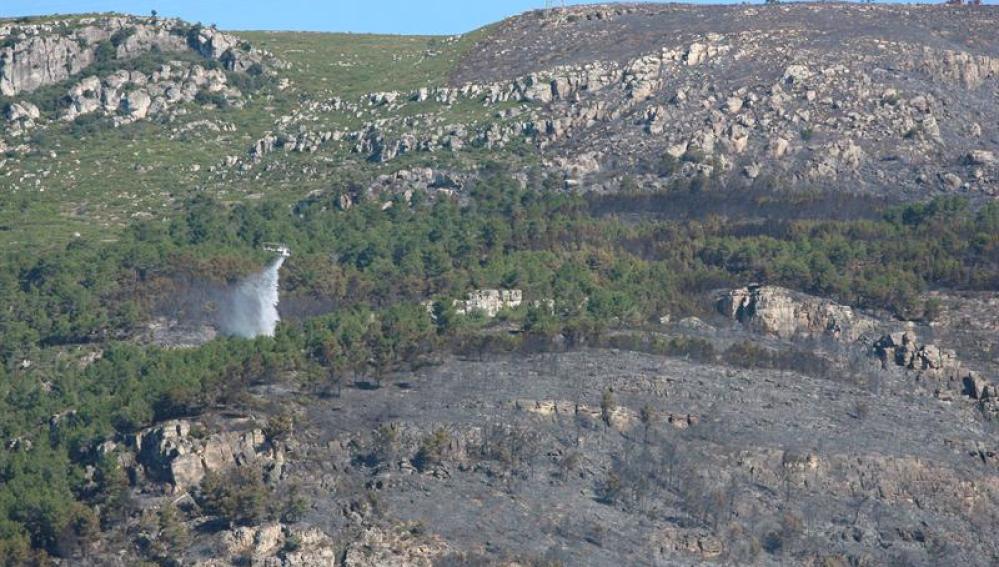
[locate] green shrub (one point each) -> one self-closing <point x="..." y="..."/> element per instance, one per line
<point x="120" y="36"/>
<point x="431" y="451"/>
<point x="204" y="96"/>
<point x="238" y="496"/>
<point x="105" y="53"/>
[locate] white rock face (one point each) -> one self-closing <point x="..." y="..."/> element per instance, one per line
<point x="783" y="313"/>
<point x="45" y="54"/>
<point x="22" y="111"/>
<point x="696" y="54"/>
<point x="489" y="301"/>
<point x="39" y="61"/>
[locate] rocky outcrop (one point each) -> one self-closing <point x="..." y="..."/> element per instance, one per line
<point x="21" y="111"/>
<point x="489" y="302"/>
<point x="619" y="418"/>
<point x="44" y="60"/>
<point x="902" y="349"/>
<point x="36" y="55"/>
<point x="20" y="117"/>
<point x="671" y="541"/>
<point x="426" y="180"/>
<point x="172" y="453"/>
<point x="396" y="547"/>
<point x="968" y="69"/>
<point x="979" y="388"/>
<point x="131" y="96"/>
<point x="872" y="111"/>
<point x="274" y="545"/>
<point x="940" y="368"/>
<point x="786" y="314"/>
<point x="234" y="53"/>
<point x="280" y="545"/>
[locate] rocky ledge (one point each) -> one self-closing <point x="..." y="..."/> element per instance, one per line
<point x="786" y="314"/>
<point x="37" y="55"/>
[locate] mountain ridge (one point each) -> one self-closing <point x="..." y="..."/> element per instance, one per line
<point x="613" y="284"/>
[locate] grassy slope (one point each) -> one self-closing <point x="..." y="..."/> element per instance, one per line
<point x="95" y="183"/>
<point x="350" y="65"/>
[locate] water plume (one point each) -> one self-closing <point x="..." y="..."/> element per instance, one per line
<point x="250" y="308"/>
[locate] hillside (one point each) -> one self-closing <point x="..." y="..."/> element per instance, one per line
<point x="622" y="284"/>
<point x="892" y="101"/>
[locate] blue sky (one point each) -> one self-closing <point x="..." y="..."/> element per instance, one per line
<point x="376" y="16"/>
<point x="372" y="16"/>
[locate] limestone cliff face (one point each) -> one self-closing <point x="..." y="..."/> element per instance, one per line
<point x="40" y="61"/>
<point x="37" y="55"/>
<point x="785" y="314"/>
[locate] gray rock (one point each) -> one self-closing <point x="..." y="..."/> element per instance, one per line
<point x="795" y="74"/>
<point x="21" y="111"/>
<point x="951" y="181"/>
<point x="978" y="387"/>
<point x="48" y="53"/>
<point x="137" y="103"/>
<point x="784" y="313"/>
<point x="980" y="157"/>
<point x="169" y="452"/>
<point x="40" y="61"/>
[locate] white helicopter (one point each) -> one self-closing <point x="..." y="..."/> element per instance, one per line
<point x="280" y="249"/>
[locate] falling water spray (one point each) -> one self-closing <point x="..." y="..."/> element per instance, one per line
<point x="251" y="308"/>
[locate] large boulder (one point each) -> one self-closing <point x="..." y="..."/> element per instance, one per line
<point x="784" y="313"/>
<point x="22" y="111"/>
<point x="232" y="52"/>
<point x="136" y="104"/>
<point x="696" y="54"/>
<point x="978" y="387"/>
<point x="951" y="181"/>
<point x="170" y="453"/>
<point x="980" y="157"/>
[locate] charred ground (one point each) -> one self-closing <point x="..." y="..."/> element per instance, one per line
<point x="616" y="284"/>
